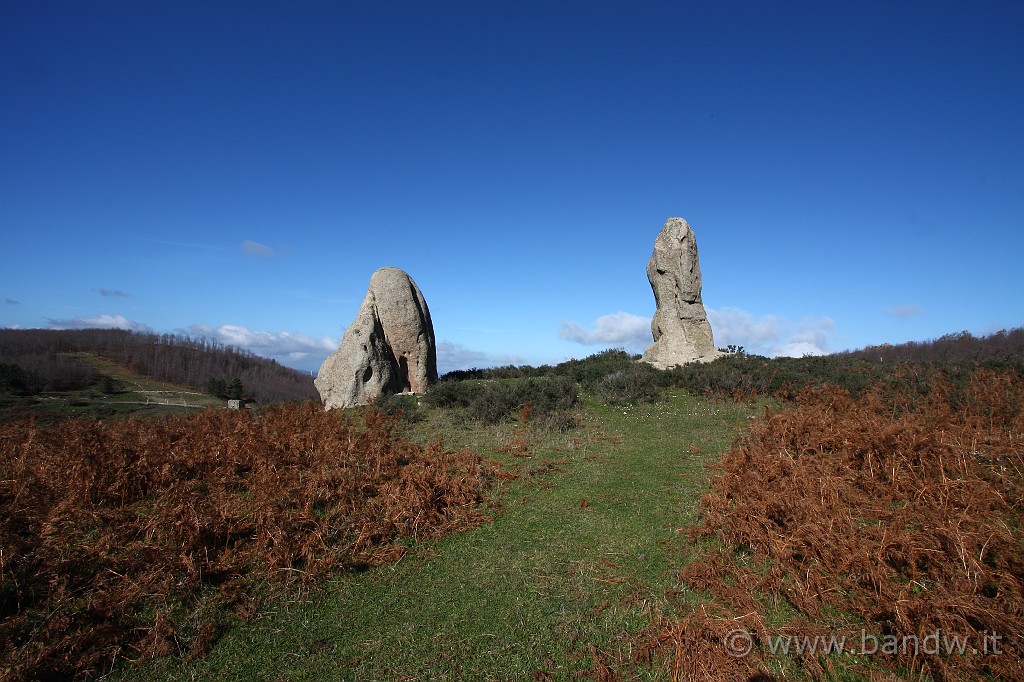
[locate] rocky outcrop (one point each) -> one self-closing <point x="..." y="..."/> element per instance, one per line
<point x="388" y="349"/>
<point x="680" y="326"/>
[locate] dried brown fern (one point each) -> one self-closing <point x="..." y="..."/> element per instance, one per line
<point x="899" y="512"/>
<point x="115" y="533"/>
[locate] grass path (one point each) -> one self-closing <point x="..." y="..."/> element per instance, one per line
<point x="577" y="549"/>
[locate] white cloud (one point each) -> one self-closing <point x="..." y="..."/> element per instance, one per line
<point x="291" y="349"/>
<point x="738" y="327"/>
<point x="256" y="249"/>
<point x="771" y="335"/>
<point x="103" y="321"/>
<point x="114" y="293"/>
<point x="903" y="311"/>
<point x="308" y="353"/>
<point x="813" y="336"/>
<point x="796" y="349"/>
<point x="615" y="329"/>
<point x="452" y="356"/>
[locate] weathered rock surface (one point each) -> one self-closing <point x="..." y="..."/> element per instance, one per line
<point x="388" y="349"/>
<point x="680" y="326"/>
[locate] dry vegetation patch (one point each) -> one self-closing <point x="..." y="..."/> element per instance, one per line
<point x="895" y="517"/>
<point x="134" y="538"/>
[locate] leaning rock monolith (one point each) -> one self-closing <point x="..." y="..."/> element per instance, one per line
<point x="388" y="349"/>
<point x="680" y="326"/>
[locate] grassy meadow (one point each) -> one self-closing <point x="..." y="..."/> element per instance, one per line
<point x="595" y="520"/>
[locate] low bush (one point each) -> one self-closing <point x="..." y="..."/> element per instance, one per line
<point x="547" y="395"/>
<point x="745" y="375"/>
<point x="637" y="383"/>
<point x="13" y="380"/>
<point x="404" y="405"/>
<point x="495" y="402"/>
<point x="454" y="393"/>
<point x="492" y="401"/>
<point x="590" y="371"/>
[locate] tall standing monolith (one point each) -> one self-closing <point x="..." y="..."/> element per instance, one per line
<point x="680" y="326"/>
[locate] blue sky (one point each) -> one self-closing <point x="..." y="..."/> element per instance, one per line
<point x="852" y="170"/>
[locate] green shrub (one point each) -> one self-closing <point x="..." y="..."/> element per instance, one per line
<point x="108" y="385"/>
<point x="546" y="394"/>
<point x="453" y="393"/>
<point x="559" y="420"/>
<point x="408" y="406"/>
<point x="493" y="401"/>
<point x="637" y="383"/>
<point x="589" y="371"/>
<point x="13" y="379"/>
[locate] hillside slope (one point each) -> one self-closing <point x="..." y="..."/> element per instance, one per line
<point x="36" y="360"/>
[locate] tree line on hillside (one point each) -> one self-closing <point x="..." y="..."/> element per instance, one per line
<point x="34" y="360"/>
<point x="1002" y="346"/>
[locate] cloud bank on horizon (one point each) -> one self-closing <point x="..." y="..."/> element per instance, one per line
<point x="291" y="349"/>
<point x="616" y="329"/>
<point x="452" y="356"/>
<point x="288" y="348"/>
<point x="101" y="321"/>
<point x="770" y="335"/>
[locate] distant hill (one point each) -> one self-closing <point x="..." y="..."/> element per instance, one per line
<point x="35" y="360"/>
<point x="1006" y="346"/>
